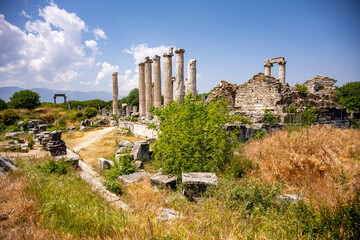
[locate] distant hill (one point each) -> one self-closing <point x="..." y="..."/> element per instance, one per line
<point x="47" y="95"/>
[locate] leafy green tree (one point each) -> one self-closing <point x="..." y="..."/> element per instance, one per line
<point x="349" y="96"/>
<point x="193" y="137"/>
<point x="25" y="99"/>
<point x="3" y="104"/>
<point x="132" y="99"/>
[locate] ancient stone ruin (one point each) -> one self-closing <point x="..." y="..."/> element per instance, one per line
<point x="281" y="62"/>
<point x="60" y="95"/>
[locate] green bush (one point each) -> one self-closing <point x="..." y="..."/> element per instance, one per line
<point x="193" y="137"/>
<point x="3" y="104"/>
<point x="124" y="166"/>
<point x="90" y="112"/>
<point x="301" y="88"/>
<point x="25" y="99"/>
<point x="308" y="115"/>
<point x="9" y="117"/>
<point x="113" y="186"/>
<point x="349" y="96"/>
<point x="259" y="134"/>
<point x="290" y="109"/>
<point x="238" y="167"/>
<point x="269" y="116"/>
<point x="51" y="166"/>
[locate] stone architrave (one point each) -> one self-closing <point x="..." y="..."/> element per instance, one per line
<point x="282" y="71"/>
<point x="191" y="81"/>
<point x="157" y="82"/>
<point x="148" y="86"/>
<point x="142" y="98"/>
<point x="179" y="82"/>
<point x="115" y="108"/>
<point x="168" y="85"/>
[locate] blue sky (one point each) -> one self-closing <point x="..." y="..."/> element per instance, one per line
<point x="77" y="44"/>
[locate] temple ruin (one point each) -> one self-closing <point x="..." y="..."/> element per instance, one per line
<point x="269" y="63"/>
<point x="60" y="95"/>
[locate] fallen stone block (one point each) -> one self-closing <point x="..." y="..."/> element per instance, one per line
<point x="70" y="156"/>
<point x="141" y="151"/>
<point x="6" y="164"/>
<point x="196" y="183"/>
<point x="164" y="181"/>
<point x="88" y="169"/>
<point x="167" y="214"/>
<point x="134" y="177"/>
<point x="105" y="164"/>
<point x="126" y="144"/>
<point x="289" y="198"/>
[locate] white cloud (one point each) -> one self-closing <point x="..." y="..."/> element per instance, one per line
<point x="47" y="50"/>
<point x="142" y="50"/>
<point x="99" y="33"/>
<point x="106" y="71"/>
<point x="128" y="81"/>
<point x="16" y="83"/>
<point x="23" y="13"/>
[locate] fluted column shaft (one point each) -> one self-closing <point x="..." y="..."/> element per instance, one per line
<point x="191" y="81"/>
<point x="157" y="82"/>
<point x="142" y="98"/>
<point x="115" y="93"/>
<point x="268" y="69"/>
<point x="168" y="86"/>
<point x="282" y="71"/>
<point x="148" y="86"/>
<point x="179" y="82"/>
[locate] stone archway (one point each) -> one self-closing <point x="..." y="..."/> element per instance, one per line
<point x="60" y="95"/>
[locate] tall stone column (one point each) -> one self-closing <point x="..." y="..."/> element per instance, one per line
<point x="115" y="94"/>
<point x="157" y="82"/>
<point x="179" y="83"/>
<point x="191" y="81"/>
<point x="168" y="85"/>
<point x="282" y="71"/>
<point x="142" y="98"/>
<point x="268" y="67"/>
<point x="148" y="86"/>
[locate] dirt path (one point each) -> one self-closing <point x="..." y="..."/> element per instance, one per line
<point x="91" y="138"/>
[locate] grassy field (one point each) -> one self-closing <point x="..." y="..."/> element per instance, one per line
<point x="321" y="164"/>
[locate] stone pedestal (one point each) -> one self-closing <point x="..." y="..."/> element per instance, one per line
<point x="282" y="72"/>
<point x="56" y="146"/>
<point x="142" y="98"/>
<point x="148" y="86"/>
<point x="168" y="85"/>
<point x="191" y="81"/>
<point x="115" y="94"/>
<point x="179" y="82"/>
<point x="268" y="69"/>
<point x="157" y="82"/>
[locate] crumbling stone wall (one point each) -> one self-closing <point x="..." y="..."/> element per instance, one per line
<point x="224" y="89"/>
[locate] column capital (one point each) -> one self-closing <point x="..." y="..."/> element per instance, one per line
<point x="268" y="65"/>
<point x="115" y="73"/>
<point x="148" y="60"/>
<point x="141" y="64"/>
<point x="168" y="55"/>
<point x="156" y="58"/>
<point x="282" y="62"/>
<point x="179" y="51"/>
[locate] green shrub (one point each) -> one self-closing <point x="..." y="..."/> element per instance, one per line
<point x="254" y="197"/>
<point x="349" y="96"/>
<point x="3" y="127"/>
<point x="269" y="116"/>
<point x="90" y="112"/>
<point x="124" y="166"/>
<point x="301" y="88"/>
<point x="238" y="167"/>
<point x="31" y="143"/>
<point x="113" y="186"/>
<point x="259" y="134"/>
<point x="25" y="99"/>
<point x="60" y="167"/>
<point x="9" y="117"/>
<point x="193" y="137"/>
<point x="62" y="121"/>
<point x="354" y="123"/>
<point x="308" y="116"/>
<point x="290" y="109"/>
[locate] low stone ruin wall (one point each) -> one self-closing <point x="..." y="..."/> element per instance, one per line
<point x="139" y="129"/>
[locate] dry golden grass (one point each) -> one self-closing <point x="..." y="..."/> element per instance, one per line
<point x="105" y="147"/>
<point x="322" y="162"/>
<point x="17" y="212"/>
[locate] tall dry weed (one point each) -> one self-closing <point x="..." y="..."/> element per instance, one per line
<point x="321" y="161"/>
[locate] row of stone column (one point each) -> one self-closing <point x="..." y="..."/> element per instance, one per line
<point x="150" y="92"/>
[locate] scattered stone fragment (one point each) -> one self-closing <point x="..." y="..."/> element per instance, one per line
<point x="141" y="151"/>
<point x="138" y="164"/>
<point x="14" y="134"/>
<point x="196" y="183"/>
<point x="70" y="156"/>
<point x="2" y="171"/>
<point x="290" y="198"/>
<point x="105" y="164"/>
<point x="164" y="181"/>
<point x="167" y="214"/>
<point x="134" y="177"/>
<point x="126" y="144"/>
